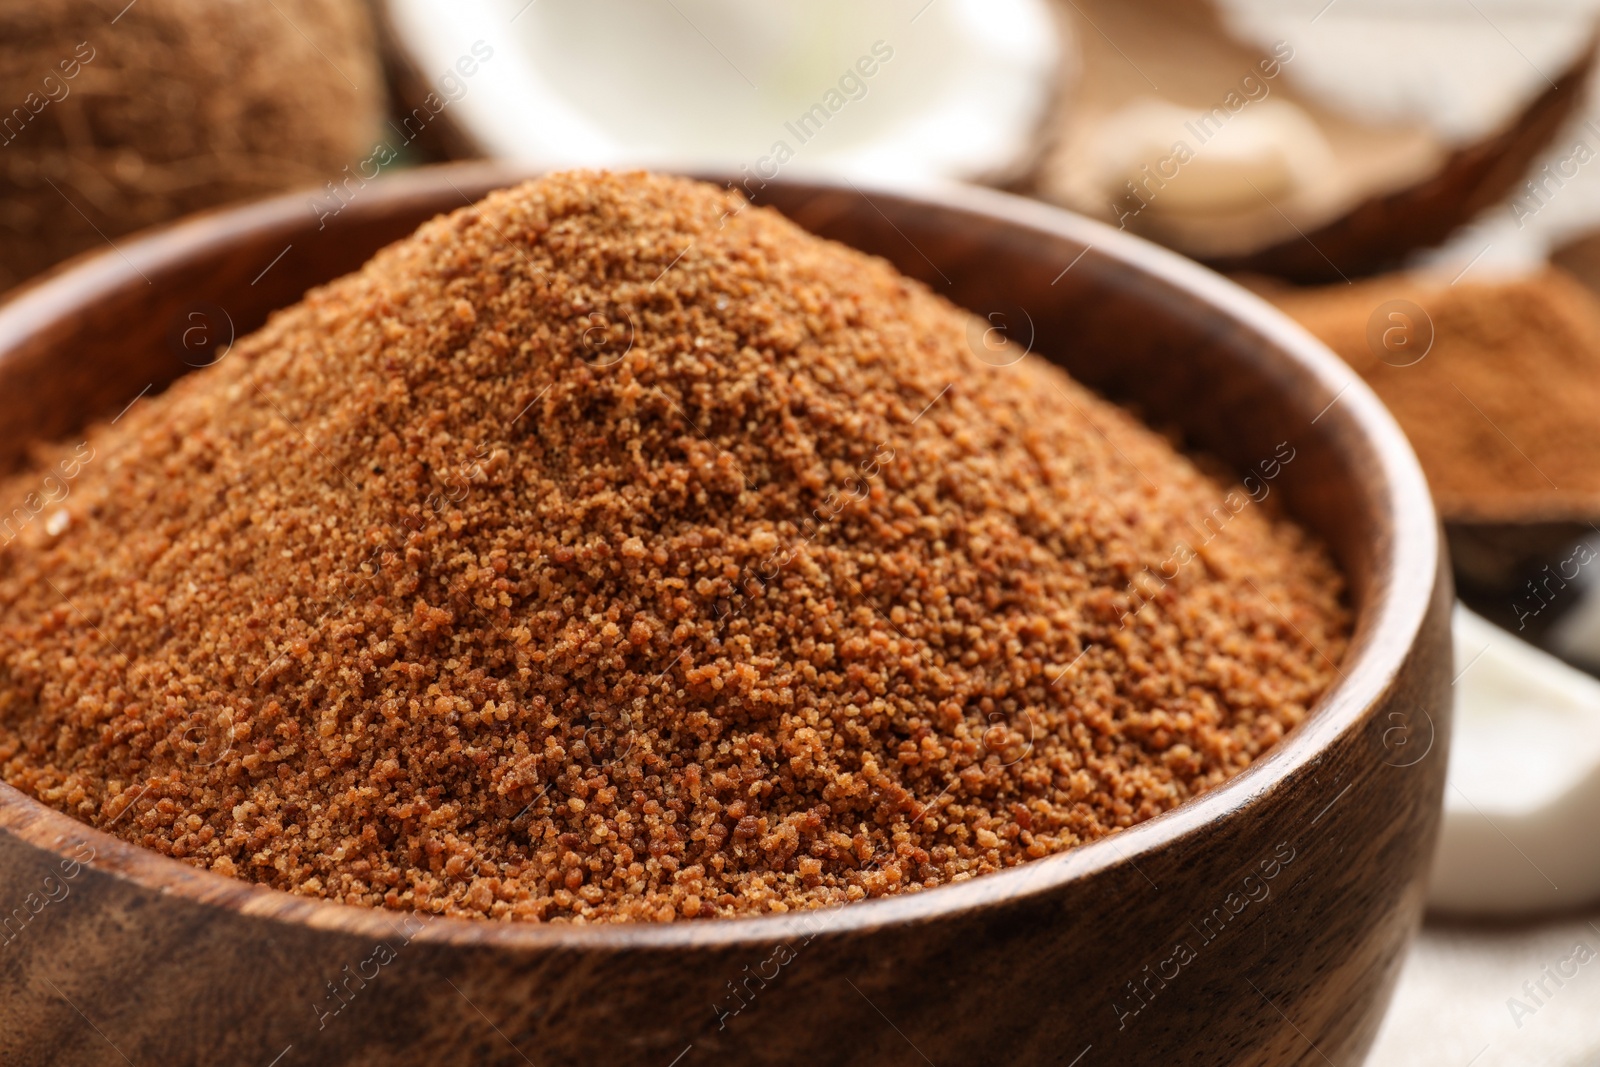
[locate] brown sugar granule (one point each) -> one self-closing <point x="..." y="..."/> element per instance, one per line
<point x="613" y="550"/>
<point x="1504" y="409"/>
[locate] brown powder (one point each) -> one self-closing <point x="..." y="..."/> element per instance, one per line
<point x="612" y="550"/>
<point x="1502" y="409"/>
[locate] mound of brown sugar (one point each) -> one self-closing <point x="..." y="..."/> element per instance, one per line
<point x="1502" y="409"/>
<point x="613" y="550"/>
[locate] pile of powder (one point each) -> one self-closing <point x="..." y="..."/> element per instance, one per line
<point x="1502" y="409"/>
<point x="614" y="550"/>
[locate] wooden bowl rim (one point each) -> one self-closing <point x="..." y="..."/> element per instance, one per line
<point x="1404" y="574"/>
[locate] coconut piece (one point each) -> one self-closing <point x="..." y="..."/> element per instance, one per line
<point x="1464" y="70"/>
<point x="171" y="107"/>
<point x="1378" y="234"/>
<point x="899" y="92"/>
<point x="1170" y="102"/>
<point x="1523" y="793"/>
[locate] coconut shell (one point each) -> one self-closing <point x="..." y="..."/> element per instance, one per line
<point x="1384" y="191"/>
<point x="1378" y="234"/>
<point x="121" y="121"/>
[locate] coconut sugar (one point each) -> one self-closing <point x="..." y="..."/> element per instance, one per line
<point x="614" y="550"/>
<point x="1498" y="391"/>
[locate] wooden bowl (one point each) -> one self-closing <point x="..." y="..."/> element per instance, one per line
<point x="1263" y="923"/>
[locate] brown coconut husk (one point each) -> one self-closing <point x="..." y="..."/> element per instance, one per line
<point x="171" y="106"/>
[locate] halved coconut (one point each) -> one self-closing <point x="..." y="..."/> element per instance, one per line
<point x="1300" y="142"/>
<point x="907" y="90"/>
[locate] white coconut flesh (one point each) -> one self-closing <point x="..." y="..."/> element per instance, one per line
<point x="1522" y="801"/>
<point x="897" y="91"/>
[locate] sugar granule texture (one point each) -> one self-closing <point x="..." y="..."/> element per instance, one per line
<point x="1502" y="407"/>
<point x="612" y="550"/>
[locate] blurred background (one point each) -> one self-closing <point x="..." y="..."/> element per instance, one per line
<point x="1417" y="182"/>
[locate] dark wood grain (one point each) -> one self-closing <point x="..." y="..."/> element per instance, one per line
<point x="1261" y="924"/>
